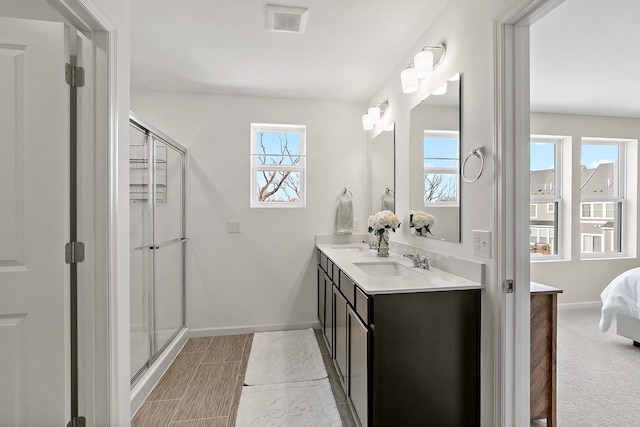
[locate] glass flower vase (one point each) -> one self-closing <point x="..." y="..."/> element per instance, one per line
<point x="383" y="243"/>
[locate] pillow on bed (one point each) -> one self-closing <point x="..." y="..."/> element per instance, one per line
<point x="622" y="296"/>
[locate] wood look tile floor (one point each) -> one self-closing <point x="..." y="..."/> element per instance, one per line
<point x="202" y="386"/>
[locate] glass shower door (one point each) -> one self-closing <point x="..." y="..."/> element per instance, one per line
<point x="169" y="238"/>
<point x="140" y="273"/>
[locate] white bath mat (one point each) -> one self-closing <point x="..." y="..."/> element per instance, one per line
<point x="308" y="404"/>
<point x="284" y="357"/>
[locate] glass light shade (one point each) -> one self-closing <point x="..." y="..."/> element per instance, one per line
<point x="366" y="122"/>
<point x="423" y="62"/>
<point x="409" y="80"/>
<point x="441" y="90"/>
<point x="374" y="114"/>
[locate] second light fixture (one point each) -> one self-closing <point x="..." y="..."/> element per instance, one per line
<point x="424" y="62"/>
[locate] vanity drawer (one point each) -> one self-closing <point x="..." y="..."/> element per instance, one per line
<point x="323" y="261"/>
<point x="336" y="275"/>
<point x="330" y="269"/>
<point x="347" y="287"/>
<point x="362" y="305"/>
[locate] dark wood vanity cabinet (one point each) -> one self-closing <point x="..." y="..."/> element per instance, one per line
<point x="407" y="359"/>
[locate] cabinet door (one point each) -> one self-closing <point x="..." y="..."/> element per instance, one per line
<point x="321" y="297"/>
<point x="358" y="373"/>
<point x="341" y="335"/>
<point x="328" y="313"/>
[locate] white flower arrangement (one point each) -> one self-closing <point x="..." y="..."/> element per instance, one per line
<point x="422" y="222"/>
<point x="383" y="220"/>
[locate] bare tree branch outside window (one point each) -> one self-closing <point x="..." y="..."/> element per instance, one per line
<point x="439" y="188"/>
<point x="278" y="186"/>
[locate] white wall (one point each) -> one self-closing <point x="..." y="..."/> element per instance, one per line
<point x="265" y="276"/>
<point x="466" y="27"/>
<point x="583" y="280"/>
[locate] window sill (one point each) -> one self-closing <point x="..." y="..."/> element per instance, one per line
<point x="606" y="257"/>
<point x="543" y="259"/>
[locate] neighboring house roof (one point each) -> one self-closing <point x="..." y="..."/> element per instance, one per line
<point x="594" y="181"/>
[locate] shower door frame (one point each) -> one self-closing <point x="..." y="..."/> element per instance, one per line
<point x="153" y="133"/>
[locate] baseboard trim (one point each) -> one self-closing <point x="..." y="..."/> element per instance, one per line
<point x="579" y="305"/>
<point x="151" y="377"/>
<point x="212" y="332"/>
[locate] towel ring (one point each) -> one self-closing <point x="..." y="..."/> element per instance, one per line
<point x="479" y="153"/>
<point x="345" y="191"/>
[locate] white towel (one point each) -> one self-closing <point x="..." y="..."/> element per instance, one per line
<point x="388" y="201"/>
<point x="344" y="214"/>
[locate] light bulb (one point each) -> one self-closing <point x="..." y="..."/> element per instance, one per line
<point x="366" y="122"/>
<point x="423" y="62"/>
<point x="441" y="90"/>
<point x="409" y="80"/>
<point x="374" y="114"/>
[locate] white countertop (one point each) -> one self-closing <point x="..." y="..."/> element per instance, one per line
<point x="346" y="257"/>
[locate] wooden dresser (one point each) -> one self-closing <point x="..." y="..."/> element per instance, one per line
<point x="544" y="302"/>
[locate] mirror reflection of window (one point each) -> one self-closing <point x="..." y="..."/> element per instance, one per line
<point x="441" y="168"/>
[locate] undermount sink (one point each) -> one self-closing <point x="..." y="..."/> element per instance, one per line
<point x="386" y="269"/>
<point x="350" y="248"/>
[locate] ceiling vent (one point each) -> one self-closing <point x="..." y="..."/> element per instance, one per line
<point x="287" y="19"/>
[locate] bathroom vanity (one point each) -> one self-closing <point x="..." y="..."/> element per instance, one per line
<point x="405" y="341"/>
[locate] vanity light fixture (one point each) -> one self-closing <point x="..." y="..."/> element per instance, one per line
<point x="409" y="79"/>
<point x="366" y="122"/>
<point x="424" y="62"/>
<point x="374" y="114"/>
<point x="441" y="90"/>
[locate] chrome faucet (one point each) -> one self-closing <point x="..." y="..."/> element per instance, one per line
<point x="373" y="244"/>
<point x="419" y="261"/>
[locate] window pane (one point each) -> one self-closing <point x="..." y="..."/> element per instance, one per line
<point x="599" y="173"/>
<point x="542" y="166"/>
<point x="586" y="210"/>
<point x="533" y="211"/>
<point x="544" y="229"/>
<point x="597" y="243"/>
<point x="441" y="147"/>
<point x="440" y="188"/>
<point x="277" y="148"/>
<point x="609" y="209"/>
<point x="550" y="207"/>
<point x="278" y="186"/>
<point x="598" y="211"/>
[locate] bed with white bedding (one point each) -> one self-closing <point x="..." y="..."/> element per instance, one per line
<point x="621" y="299"/>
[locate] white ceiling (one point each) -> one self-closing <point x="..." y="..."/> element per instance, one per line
<point x="585" y="59"/>
<point x="221" y="46"/>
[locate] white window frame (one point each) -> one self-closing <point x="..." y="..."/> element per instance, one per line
<point x="535" y="209"/>
<point x="621" y="184"/>
<point x="592" y="236"/>
<point x="551" y="208"/>
<point x="445" y="134"/>
<point x="255" y="167"/>
<point x="554" y="200"/>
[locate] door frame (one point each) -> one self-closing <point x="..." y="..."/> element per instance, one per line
<point x="512" y="130"/>
<point x="103" y="374"/>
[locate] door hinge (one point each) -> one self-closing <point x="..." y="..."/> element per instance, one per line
<point x="77" y="422"/>
<point x="74" y="75"/>
<point x="73" y="252"/>
<point x="507" y="286"/>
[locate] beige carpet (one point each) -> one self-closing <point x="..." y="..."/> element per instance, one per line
<point x="598" y="374"/>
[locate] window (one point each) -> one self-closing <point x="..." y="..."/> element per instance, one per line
<point x="441" y="168"/>
<point x="544" y="194"/>
<point x="278" y="165"/>
<point x="601" y="195"/>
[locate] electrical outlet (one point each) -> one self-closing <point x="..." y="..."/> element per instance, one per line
<point x="482" y="243"/>
<point x="356" y="225"/>
<point x="234" y="227"/>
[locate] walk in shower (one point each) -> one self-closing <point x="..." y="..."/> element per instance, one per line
<point x="158" y="245"/>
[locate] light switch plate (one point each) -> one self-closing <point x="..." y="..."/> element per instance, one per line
<point x="482" y="243"/>
<point x="234" y="227"/>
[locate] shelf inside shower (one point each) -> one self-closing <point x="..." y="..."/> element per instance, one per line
<point x="139" y="174"/>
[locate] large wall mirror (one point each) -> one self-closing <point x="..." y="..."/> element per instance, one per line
<point x="435" y="162"/>
<point x="383" y="175"/>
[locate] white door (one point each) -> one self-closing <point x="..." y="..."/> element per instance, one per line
<point x="34" y="224"/>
